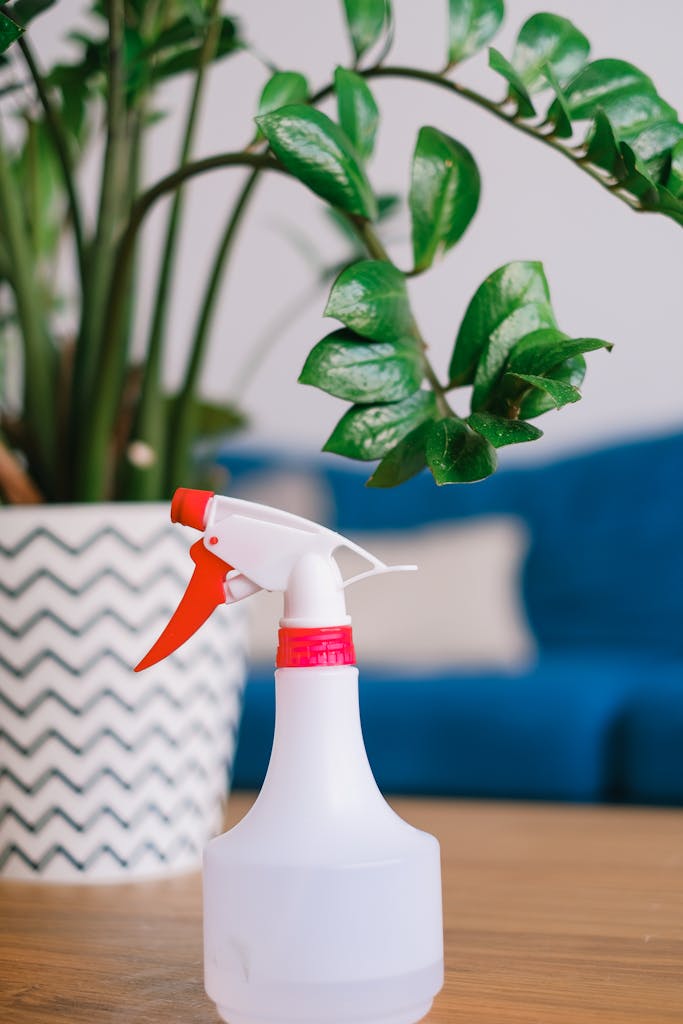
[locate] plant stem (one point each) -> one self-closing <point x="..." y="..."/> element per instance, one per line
<point x="151" y="424"/>
<point x="497" y="109"/>
<point x="112" y="189"/>
<point x="56" y="129"/>
<point x="178" y="456"/>
<point x="39" y="357"/>
<point x="93" y="459"/>
<point x="376" y="249"/>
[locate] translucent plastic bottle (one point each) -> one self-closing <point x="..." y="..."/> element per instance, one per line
<point x="322" y="904"/>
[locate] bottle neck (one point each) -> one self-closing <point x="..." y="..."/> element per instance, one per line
<point x="318" y="760"/>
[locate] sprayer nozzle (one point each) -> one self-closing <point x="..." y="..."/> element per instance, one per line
<point x="189" y="507"/>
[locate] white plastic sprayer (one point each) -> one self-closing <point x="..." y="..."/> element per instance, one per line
<point x="321" y="905"/>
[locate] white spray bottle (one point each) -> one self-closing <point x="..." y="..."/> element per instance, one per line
<point x="321" y="905"/>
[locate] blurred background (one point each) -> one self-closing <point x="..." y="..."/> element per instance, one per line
<point x="540" y="654"/>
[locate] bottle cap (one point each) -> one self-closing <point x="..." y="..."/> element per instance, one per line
<point x="321" y="645"/>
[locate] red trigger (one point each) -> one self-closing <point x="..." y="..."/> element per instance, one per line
<point x="205" y="591"/>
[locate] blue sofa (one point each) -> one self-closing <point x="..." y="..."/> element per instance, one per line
<point x="599" y="716"/>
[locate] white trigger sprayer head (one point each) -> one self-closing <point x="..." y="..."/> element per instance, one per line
<point x="246" y="547"/>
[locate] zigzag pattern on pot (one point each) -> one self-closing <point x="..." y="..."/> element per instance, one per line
<point x="73" y="714"/>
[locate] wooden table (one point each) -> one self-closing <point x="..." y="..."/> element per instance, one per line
<point x="553" y="914"/>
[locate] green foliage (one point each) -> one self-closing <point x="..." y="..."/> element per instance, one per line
<point x="546" y="40"/>
<point x="508" y="347"/>
<point x="444" y="194"/>
<point x="358" y="113"/>
<point x="371" y="299"/>
<point x="348" y="367"/>
<point x="367" y="21"/>
<point x="317" y="152"/>
<point x="510" y="355"/>
<point x="9" y="32"/>
<point x="456" y="454"/>
<point x="370" y="431"/>
<point x="282" y="89"/>
<point x="471" y="24"/>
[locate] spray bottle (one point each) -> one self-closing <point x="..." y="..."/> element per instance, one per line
<point x="321" y="905"/>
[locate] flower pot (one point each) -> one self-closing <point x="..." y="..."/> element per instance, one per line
<point x="104" y="774"/>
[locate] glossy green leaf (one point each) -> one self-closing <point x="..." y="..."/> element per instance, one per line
<point x="371" y="298"/>
<point x="282" y="89"/>
<point x="517" y="89"/>
<point x="499" y="431"/>
<point x="317" y="152"/>
<point x="186" y="58"/>
<point x="548" y="39"/>
<point x="653" y="146"/>
<point x="471" y="25"/>
<point x="539" y="351"/>
<point x="558" y="391"/>
<point x="615" y="86"/>
<point x="636" y="177"/>
<point x="535" y="403"/>
<point x="370" y="431"/>
<point x="674" y="181"/>
<point x="9" y="32"/>
<point x="444" y="194"/>
<point x="404" y="461"/>
<point x="511" y="302"/>
<point x="456" y="454"/>
<point x="346" y="366"/>
<point x="561" y="116"/>
<point x="366" y="20"/>
<point x="358" y="113"/>
<point x="603" y="146"/>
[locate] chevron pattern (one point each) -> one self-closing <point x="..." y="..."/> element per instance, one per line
<point x="105" y="775"/>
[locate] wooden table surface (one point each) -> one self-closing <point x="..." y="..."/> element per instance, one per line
<point x="552" y="914"/>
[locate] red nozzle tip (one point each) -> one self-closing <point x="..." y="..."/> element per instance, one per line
<point x="189" y="507"/>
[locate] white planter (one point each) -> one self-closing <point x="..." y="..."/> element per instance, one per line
<point x="104" y="774"/>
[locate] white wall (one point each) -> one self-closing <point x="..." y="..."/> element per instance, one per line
<point x="613" y="273"/>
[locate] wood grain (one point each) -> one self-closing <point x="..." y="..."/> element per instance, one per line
<point x="553" y="915"/>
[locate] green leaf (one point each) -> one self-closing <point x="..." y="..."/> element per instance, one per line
<point x="358" y="113"/>
<point x="370" y="431"/>
<point x="626" y="95"/>
<point x="211" y="420"/>
<point x="535" y="403"/>
<point x="404" y="461"/>
<point x="444" y="194"/>
<point x="653" y="145"/>
<point x="9" y="32"/>
<point x="471" y="25"/>
<point x="25" y="11"/>
<point x="561" y="116"/>
<point x="346" y="366"/>
<point x="518" y="91"/>
<point x="511" y="302"/>
<point x="282" y="89"/>
<point x="317" y="152"/>
<point x="458" y="455"/>
<point x="371" y="298"/>
<point x="558" y="391"/>
<point x="499" y="431"/>
<point x="674" y="181"/>
<point x="539" y="351"/>
<point x="603" y="146"/>
<point x="548" y="39"/>
<point x="366" y="20"/>
<point x="636" y="177"/>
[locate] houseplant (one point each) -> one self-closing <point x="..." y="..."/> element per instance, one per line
<point x="90" y="426"/>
